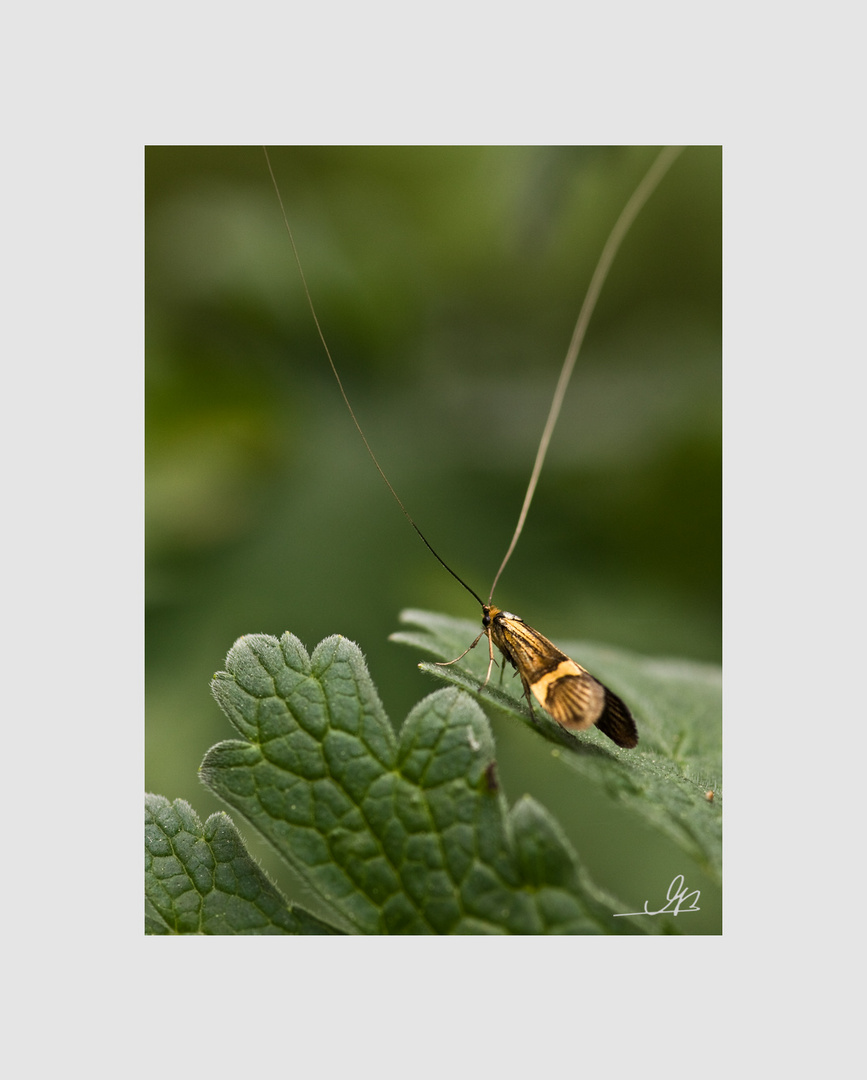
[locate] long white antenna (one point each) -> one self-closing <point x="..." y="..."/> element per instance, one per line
<point x="639" y="197"/>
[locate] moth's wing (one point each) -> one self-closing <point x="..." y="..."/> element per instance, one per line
<point x="564" y="689"/>
<point x="616" y="721"/>
<point x="570" y="695"/>
<point x="577" y="701"/>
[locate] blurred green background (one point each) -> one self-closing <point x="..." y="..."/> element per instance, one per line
<point x="447" y="281"/>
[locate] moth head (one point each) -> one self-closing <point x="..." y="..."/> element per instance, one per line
<point x="491" y="613"/>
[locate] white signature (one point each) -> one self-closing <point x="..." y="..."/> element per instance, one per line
<point x="676" y="895"/>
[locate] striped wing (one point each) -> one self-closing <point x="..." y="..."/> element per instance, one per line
<point x="564" y="689"/>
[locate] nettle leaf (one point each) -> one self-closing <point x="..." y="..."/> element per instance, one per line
<point x="199" y="879"/>
<point x="397" y="834"/>
<point x="677" y="706"/>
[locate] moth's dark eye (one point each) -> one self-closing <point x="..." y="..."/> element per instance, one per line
<point x="486" y="619"/>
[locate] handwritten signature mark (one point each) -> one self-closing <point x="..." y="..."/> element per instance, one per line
<point x="677" y="895"/>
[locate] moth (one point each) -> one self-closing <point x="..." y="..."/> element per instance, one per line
<point x="566" y="691"/>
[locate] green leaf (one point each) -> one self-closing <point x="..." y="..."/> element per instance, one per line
<point x="677" y="706"/>
<point x="407" y="834"/>
<point x="200" y="879"/>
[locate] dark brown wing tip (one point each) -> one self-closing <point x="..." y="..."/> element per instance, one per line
<point x="616" y="722"/>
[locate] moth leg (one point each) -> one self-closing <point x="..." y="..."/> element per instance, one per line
<point x="502" y="668"/>
<point x="446" y="663"/>
<point x="490" y="653"/>
<point x="529" y="698"/>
